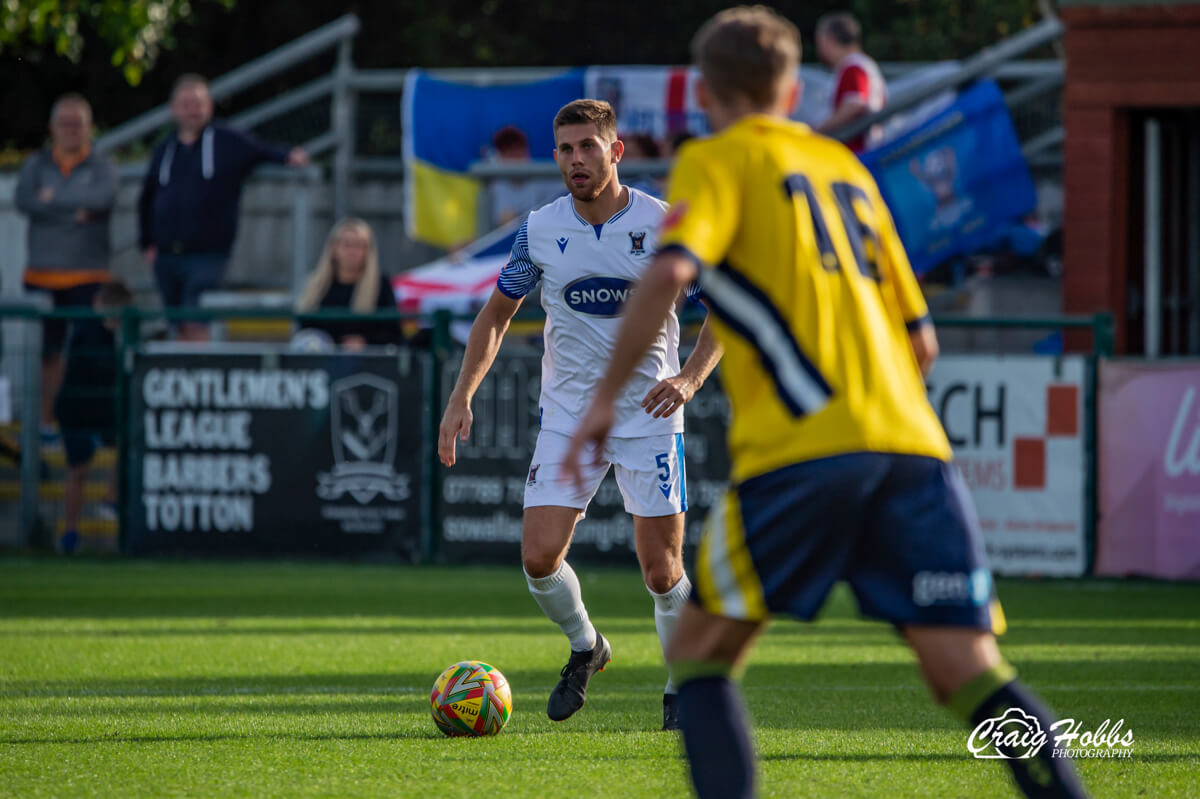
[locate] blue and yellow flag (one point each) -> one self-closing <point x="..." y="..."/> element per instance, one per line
<point x="448" y="125"/>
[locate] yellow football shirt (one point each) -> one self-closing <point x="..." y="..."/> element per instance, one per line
<point x="812" y="293"/>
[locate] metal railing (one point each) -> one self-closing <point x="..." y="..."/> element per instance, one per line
<point x="985" y="62"/>
<point x="345" y="82"/>
<point x="1034" y="80"/>
<point x="238" y="80"/>
<point x="340" y="34"/>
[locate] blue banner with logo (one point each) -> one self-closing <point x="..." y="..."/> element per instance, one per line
<point x="956" y="183"/>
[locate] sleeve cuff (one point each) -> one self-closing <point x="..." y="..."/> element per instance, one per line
<point x="507" y="293"/>
<point x="679" y="249"/>
<point x="918" y="323"/>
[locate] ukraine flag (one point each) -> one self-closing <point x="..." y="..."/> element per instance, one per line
<point x="448" y="125"/>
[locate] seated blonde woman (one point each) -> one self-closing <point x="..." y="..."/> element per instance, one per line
<point x="348" y="277"/>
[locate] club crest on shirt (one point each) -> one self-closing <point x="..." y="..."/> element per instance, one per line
<point x="637" y="243"/>
<point x="533" y="470"/>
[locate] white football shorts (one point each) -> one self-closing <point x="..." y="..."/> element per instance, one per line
<point x="650" y="474"/>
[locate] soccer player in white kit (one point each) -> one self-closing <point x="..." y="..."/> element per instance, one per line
<point x="588" y="249"/>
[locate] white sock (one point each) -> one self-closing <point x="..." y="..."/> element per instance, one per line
<point x="559" y="598"/>
<point x="667" y="608"/>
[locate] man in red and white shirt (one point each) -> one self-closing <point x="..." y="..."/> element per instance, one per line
<point x="858" y="84"/>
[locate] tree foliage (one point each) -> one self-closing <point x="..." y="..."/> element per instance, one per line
<point x="134" y="31"/>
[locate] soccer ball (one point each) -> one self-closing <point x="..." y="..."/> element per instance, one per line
<point x="471" y="698"/>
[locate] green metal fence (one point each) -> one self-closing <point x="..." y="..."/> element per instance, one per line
<point x="435" y="339"/>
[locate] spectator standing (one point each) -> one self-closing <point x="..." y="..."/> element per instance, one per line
<point x="86" y="405"/>
<point x="348" y="277"/>
<point x="188" y="210"/>
<point x="68" y="192"/>
<point x="858" y="85"/>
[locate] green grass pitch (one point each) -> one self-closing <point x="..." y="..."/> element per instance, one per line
<point x="285" y="680"/>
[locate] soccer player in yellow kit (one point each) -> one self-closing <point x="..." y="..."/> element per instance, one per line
<point x="841" y="470"/>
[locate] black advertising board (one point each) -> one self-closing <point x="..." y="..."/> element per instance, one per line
<point x="482" y="495"/>
<point x="276" y="453"/>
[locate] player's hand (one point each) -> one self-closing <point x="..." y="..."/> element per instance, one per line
<point x="456" y="426"/>
<point x="592" y="432"/>
<point x="298" y="156"/>
<point x="669" y="396"/>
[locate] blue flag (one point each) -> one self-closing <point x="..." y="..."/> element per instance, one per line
<point x="956" y="183"/>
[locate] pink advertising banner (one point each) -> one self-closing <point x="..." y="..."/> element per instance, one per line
<point x="1149" y="460"/>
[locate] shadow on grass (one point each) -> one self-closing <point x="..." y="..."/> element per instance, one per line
<point x="137" y="589"/>
<point x="860" y="757"/>
<point x="534" y="625"/>
<point x="803" y="678"/>
<point x="850" y="696"/>
<point x="822" y="634"/>
<point x="800" y="679"/>
<point x="510" y="754"/>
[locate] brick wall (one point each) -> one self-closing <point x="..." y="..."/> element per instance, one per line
<point x="1119" y="60"/>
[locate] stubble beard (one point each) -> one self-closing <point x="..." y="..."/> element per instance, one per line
<point x="591" y="191"/>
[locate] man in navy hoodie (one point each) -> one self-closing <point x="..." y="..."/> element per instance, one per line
<point x="188" y="210"/>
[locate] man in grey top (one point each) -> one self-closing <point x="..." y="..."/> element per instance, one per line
<point x="68" y="192"/>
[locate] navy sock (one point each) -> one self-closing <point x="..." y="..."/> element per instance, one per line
<point x="1043" y="776"/>
<point x="716" y="736"/>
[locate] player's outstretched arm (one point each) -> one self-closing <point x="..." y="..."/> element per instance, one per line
<point x="482" y="345"/>
<point x="672" y="393"/>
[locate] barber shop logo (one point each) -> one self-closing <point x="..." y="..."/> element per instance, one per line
<point x="364" y="424"/>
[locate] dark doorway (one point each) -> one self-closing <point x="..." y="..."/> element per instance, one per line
<point x="1163" y="279"/>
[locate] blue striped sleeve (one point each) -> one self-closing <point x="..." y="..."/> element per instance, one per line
<point x="520" y="275"/>
<point x="693" y="292"/>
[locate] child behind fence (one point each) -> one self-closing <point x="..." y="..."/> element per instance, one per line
<point x="86" y="404"/>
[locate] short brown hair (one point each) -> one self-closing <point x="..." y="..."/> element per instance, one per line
<point x="842" y="27"/>
<point x="187" y="79"/>
<point x="746" y="51"/>
<point x="589" y="112"/>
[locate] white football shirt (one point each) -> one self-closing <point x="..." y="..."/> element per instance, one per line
<point x="587" y="272"/>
